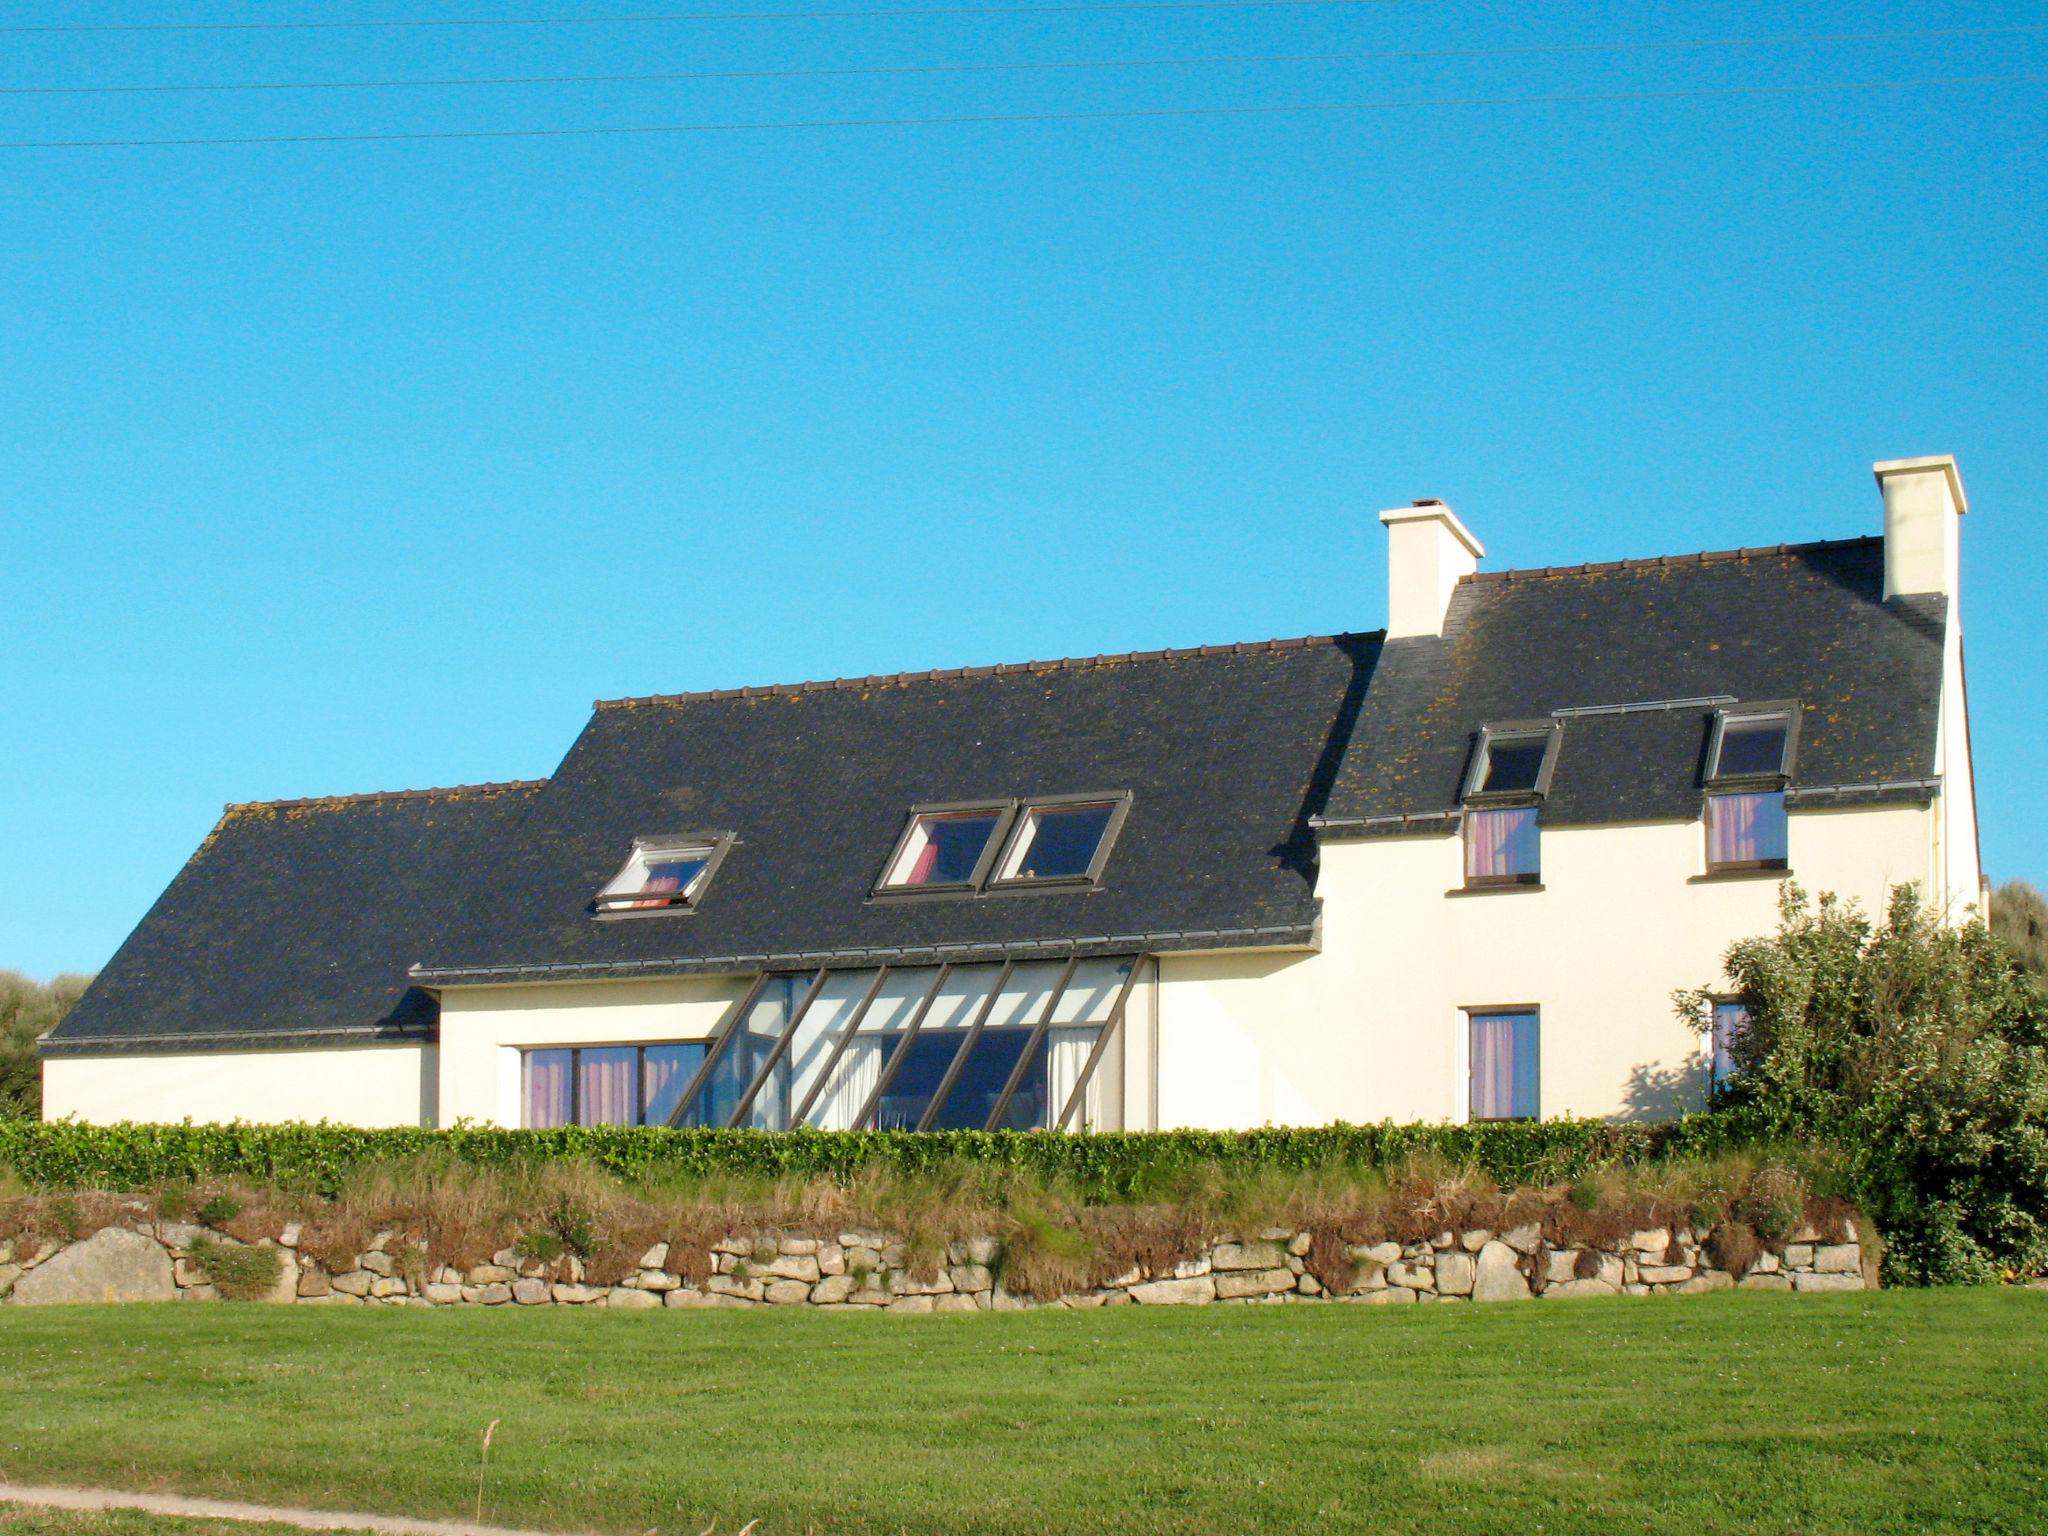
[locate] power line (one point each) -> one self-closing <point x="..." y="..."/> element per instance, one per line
<point x="997" y="118"/>
<point x="687" y="16"/>
<point x="1695" y="44"/>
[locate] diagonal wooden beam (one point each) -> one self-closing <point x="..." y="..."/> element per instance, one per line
<point x="1038" y="1032"/>
<point x="839" y="1045"/>
<point x="1109" y="1029"/>
<point x="722" y="1036"/>
<point x="959" y="1061"/>
<point x="781" y="1049"/>
<point x="894" y="1064"/>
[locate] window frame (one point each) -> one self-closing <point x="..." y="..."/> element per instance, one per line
<point x="1119" y="803"/>
<point x="1504" y="730"/>
<point x="1786" y="710"/>
<point x="1715" y="866"/>
<point x="714" y="846"/>
<point x="1474" y="882"/>
<point x="1471" y="1011"/>
<point x="1005" y="812"/>
<point x="639" y="1048"/>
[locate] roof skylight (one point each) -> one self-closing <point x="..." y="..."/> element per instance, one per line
<point x="664" y="875"/>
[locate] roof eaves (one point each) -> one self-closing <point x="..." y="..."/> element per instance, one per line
<point x="336" y="802"/>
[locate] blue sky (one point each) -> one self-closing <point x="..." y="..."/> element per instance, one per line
<point x="342" y="467"/>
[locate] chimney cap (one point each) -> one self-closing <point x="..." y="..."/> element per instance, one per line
<point x="1927" y="463"/>
<point x="1430" y="510"/>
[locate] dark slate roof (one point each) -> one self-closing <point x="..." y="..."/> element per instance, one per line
<point x="1227" y="752"/>
<point x="1793" y="622"/>
<point x="295" y="923"/>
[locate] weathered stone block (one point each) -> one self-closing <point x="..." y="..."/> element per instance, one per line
<point x="496" y="1294"/>
<point x="1411" y="1276"/>
<point x="1381" y="1254"/>
<point x="1707" y="1280"/>
<point x="1259" y="1255"/>
<point x="1816" y="1282"/>
<point x="1524" y="1239"/>
<point x="791" y="1266"/>
<point x="111" y="1265"/>
<point x="1663" y="1274"/>
<point x="1560" y="1265"/>
<point x="913" y="1304"/>
<point x="832" y="1289"/>
<point x="655" y="1257"/>
<point x="1799" y="1255"/>
<point x="807" y="1247"/>
<point x="442" y="1294"/>
<point x="657" y="1280"/>
<point x="1166" y="1293"/>
<point x="1651" y="1240"/>
<point x="377" y="1262"/>
<point x="788" y="1293"/>
<point x="313" y="1282"/>
<point x="530" y="1293"/>
<point x="1838" y="1259"/>
<point x="631" y="1301"/>
<point x="955" y="1303"/>
<point x="1376" y="1298"/>
<point x="940" y="1284"/>
<point x="1299" y="1244"/>
<point x="1308" y="1285"/>
<point x="492" y="1274"/>
<point x="198" y="1293"/>
<point x="354" y="1282"/>
<point x="1234" y="1283"/>
<point x="1765" y="1283"/>
<point x="971" y="1277"/>
<point x="1582" y="1288"/>
<point x="569" y="1294"/>
<point x="1497" y="1278"/>
<point x="1475" y="1240"/>
<point x="289" y="1237"/>
<point x="728" y="1285"/>
<point x="831" y="1259"/>
<point x="386" y="1285"/>
<point x="1455" y="1272"/>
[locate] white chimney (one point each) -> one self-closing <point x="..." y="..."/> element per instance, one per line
<point x="1923" y="511"/>
<point x="1428" y="549"/>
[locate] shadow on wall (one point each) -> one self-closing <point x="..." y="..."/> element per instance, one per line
<point x="1664" y="1093"/>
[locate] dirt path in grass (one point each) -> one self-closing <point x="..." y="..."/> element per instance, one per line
<point x="229" y="1509"/>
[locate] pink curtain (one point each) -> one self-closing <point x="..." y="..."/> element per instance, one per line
<point x="657" y="881"/>
<point x="1501" y="842"/>
<point x="605" y="1087"/>
<point x="1745" y="829"/>
<point x="1504" y="1081"/>
<point x="547" y="1089"/>
<point x="921" y="871"/>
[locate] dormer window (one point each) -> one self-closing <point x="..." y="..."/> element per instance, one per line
<point x="1509" y="776"/>
<point x="1063" y="841"/>
<point x="946" y="848"/>
<point x="665" y="874"/>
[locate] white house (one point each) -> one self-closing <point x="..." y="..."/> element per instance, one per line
<point x="1451" y="870"/>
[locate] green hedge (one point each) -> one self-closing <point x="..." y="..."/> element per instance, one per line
<point x="1106" y="1165"/>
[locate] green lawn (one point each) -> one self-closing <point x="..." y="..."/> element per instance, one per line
<point x="1905" y="1411"/>
<point x="18" y="1521"/>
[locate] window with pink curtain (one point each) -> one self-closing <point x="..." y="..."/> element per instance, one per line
<point x="607" y="1090"/>
<point x="1502" y="846"/>
<point x="1504" y="1065"/>
<point x="1746" y="831"/>
<point x="548" y="1101"/>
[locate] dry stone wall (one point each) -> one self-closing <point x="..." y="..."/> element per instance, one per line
<point x="149" y="1260"/>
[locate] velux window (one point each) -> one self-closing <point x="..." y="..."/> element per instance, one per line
<point x="1509" y="776"/>
<point x="1006" y="845"/>
<point x="945" y="848"/>
<point x="1749" y="761"/>
<point x="664" y="875"/>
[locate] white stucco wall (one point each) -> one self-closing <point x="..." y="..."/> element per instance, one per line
<point x="368" y="1085"/>
<point x="1373" y="1026"/>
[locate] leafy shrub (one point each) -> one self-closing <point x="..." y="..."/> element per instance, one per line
<point x="29" y="1009"/>
<point x="2019" y="918"/>
<point x="238" y="1272"/>
<point x="541" y="1247"/>
<point x="1774" y="1205"/>
<point x="1100" y="1166"/>
<point x="1918" y="1049"/>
